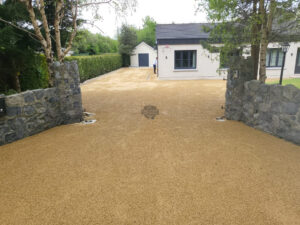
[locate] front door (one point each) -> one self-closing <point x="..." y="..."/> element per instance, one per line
<point x="297" y="68"/>
<point x="143" y="60"/>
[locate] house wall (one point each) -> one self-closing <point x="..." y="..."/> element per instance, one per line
<point x="208" y="63"/>
<point x="140" y="49"/>
<point x="290" y="62"/>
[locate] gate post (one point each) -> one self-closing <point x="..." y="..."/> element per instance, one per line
<point x="237" y="76"/>
<point x="67" y="82"/>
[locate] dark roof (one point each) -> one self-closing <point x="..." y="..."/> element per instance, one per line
<point x="182" y="31"/>
<point x="191" y="33"/>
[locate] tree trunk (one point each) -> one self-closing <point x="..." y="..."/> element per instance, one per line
<point x="46" y="43"/>
<point x="16" y="81"/>
<point x="267" y="21"/>
<point x="263" y="56"/>
<point x="48" y="51"/>
<point x="59" y="6"/>
<point x="15" y="78"/>
<point x="255" y="48"/>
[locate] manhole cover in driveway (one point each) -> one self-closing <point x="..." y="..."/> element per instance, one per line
<point x="150" y="111"/>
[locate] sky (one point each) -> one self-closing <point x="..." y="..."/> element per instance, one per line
<point x="162" y="11"/>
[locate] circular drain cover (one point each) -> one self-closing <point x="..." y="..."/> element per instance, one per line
<point x="150" y="111"/>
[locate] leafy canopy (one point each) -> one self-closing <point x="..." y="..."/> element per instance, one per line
<point x="147" y="33"/>
<point x="87" y="43"/>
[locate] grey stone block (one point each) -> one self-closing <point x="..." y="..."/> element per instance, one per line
<point x="289" y="92"/>
<point x="40" y="108"/>
<point x="254" y="85"/>
<point x="290" y="108"/>
<point x="276" y="107"/>
<point x="264" y="107"/>
<point x="10" y="137"/>
<point x="14" y="100"/>
<point x="13" y="111"/>
<point x="39" y="94"/>
<point x="28" y="97"/>
<point x="29" y="110"/>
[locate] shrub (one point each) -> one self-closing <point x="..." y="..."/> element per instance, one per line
<point x="31" y="69"/>
<point x="34" y="74"/>
<point x="92" y="66"/>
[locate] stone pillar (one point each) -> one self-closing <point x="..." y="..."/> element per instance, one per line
<point x="67" y="82"/>
<point x="237" y="76"/>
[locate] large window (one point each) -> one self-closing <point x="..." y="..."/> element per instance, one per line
<point x="274" y="57"/>
<point x="185" y="59"/>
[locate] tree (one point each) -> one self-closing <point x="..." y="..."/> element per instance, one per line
<point x="127" y="40"/>
<point x="86" y="42"/>
<point x="277" y="17"/>
<point x="147" y="33"/>
<point x="38" y="15"/>
<point x="239" y="22"/>
<point x="15" y="45"/>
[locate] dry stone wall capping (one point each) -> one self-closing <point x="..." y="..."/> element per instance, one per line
<point x="34" y="111"/>
<point x="272" y="108"/>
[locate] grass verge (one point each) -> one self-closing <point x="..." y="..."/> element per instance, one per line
<point x="293" y="81"/>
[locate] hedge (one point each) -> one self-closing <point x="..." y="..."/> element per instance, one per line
<point x="32" y="71"/>
<point x="92" y="66"/>
<point x="34" y="74"/>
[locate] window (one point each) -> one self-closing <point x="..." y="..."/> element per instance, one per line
<point x="274" y="57"/>
<point x="298" y="58"/>
<point x="185" y="59"/>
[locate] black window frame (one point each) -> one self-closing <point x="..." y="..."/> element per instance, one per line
<point x="181" y="58"/>
<point x="268" y="59"/>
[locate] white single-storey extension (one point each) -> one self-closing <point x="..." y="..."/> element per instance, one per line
<point x="181" y="55"/>
<point x="143" y="55"/>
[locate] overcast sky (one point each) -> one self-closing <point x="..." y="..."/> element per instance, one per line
<point x="163" y="11"/>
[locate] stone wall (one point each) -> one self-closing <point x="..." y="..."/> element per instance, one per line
<point x="34" y="111"/>
<point x="272" y="108"/>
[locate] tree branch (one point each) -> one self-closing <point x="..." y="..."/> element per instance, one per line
<point x="59" y="6"/>
<point x="95" y="3"/>
<point x="20" y="28"/>
<point x="74" y="17"/>
<point x="45" y="23"/>
<point x="32" y="16"/>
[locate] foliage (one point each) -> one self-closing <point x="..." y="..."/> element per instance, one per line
<point x="58" y="16"/>
<point x="127" y="39"/>
<point x="34" y="74"/>
<point x="147" y="33"/>
<point x="66" y="23"/>
<point x="92" y="66"/>
<point x="256" y="22"/>
<point x="93" y="44"/>
<point x="18" y="58"/>
<point x="127" y="42"/>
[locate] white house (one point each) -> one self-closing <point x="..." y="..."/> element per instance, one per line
<point x="181" y="56"/>
<point x="143" y="55"/>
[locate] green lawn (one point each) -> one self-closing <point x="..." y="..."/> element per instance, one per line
<point x="294" y="81"/>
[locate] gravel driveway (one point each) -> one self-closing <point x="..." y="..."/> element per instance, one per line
<point x="178" y="167"/>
